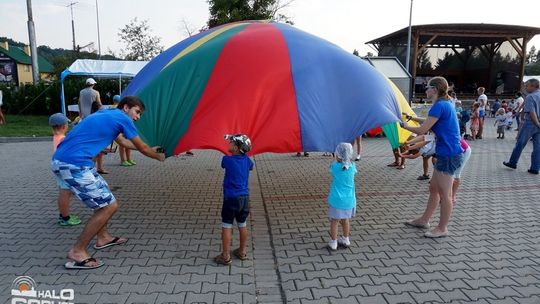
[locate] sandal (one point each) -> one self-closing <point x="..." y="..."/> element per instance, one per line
<point x="83" y="264"/>
<point x="400" y="167"/>
<point x="423" y="177"/>
<point x="102" y="172"/>
<point x="115" y="241"/>
<point x="220" y="259"/>
<point x="393" y="165"/>
<point x="239" y="255"/>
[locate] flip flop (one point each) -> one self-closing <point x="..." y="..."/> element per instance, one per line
<point x="83" y="264"/>
<point x="222" y="261"/>
<point x="115" y="241"/>
<point x="102" y="172"/>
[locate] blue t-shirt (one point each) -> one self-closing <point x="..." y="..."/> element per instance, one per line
<point x="342" y="192"/>
<point x="92" y="135"/>
<point x="446" y="128"/>
<point x="236" y="179"/>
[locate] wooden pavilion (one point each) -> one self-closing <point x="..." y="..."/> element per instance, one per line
<point x="462" y="39"/>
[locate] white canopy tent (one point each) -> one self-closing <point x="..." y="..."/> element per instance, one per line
<point x="102" y="69"/>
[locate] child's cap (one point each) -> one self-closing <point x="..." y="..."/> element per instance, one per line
<point x="242" y="141"/>
<point x="116" y="98"/>
<point x="58" y="119"/>
<point x="344" y="151"/>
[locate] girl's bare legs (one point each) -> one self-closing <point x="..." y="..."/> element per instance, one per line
<point x="333" y="229"/>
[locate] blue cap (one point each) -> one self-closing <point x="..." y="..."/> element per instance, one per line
<point x="116" y="98"/>
<point x="58" y="119"/>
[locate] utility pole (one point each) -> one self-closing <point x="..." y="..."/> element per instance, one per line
<point x="98" y="38"/>
<point x="409" y="41"/>
<point x="72" y="24"/>
<point x="32" y="38"/>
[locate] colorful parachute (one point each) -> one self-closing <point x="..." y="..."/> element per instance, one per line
<point x="287" y="89"/>
<point x="396" y="134"/>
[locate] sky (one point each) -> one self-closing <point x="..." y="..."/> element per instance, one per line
<point x="347" y="23"/>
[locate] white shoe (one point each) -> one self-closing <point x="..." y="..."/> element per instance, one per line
<point x="332" y="244"/>
<point x="357" y="158"/>
<point x="344" y="242"/>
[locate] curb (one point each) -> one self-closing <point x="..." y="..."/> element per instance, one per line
<point x="23" y="139"/>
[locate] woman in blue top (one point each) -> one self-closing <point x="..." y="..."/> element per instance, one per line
<point x="442" y="120"/>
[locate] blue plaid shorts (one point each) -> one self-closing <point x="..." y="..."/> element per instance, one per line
<point x="85" y="183"/>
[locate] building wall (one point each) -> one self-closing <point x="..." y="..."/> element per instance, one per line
<point x="24" y="74"/>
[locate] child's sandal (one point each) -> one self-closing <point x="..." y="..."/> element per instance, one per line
<point x="239" y="255"/>
<point x="220" y="259"/>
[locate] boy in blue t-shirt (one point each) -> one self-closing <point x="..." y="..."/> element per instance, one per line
<point x="235" y="196"/>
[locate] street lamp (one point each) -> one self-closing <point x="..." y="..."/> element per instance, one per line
<point x="98" y="38"/>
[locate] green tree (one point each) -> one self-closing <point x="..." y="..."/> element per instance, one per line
<point x="138" y="41"/>
<point x="225" y="11"/>
<point x="424" y="62"/>
<point x="532" y="56"/>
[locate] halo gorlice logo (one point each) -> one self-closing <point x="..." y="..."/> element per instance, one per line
<point x="23" y="291"/>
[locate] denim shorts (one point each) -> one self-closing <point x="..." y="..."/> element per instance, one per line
<point x="235" y="208"/>
<point x="482" y="113"/>
<point x="448" y="164"/>
<point x="85" y="183"/>
<point x="466" y="156"/>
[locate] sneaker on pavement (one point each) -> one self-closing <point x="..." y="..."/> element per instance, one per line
<point x="132" y="162"/>
<point x="332" y="245"/>
<point x="126" y="163"/>
<point x="72" y="221"/>
<point x="344" y="242"/>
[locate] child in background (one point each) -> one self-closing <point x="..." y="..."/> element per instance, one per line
<point x="509" y="119"/>
<point x="235" y="196"/>
<point x="125" y="153"/>
<point x="59" y="124"/>
<point x="342" y="196"/>
<point x="500" y="122"/>
<point x="422" y="145"/>
<point x="475" y="120"/>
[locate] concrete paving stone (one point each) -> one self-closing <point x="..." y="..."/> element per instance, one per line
<point x="161" y="287"/>
<point x="377" y="289"/>
<point x="398" y="298"/>
<point x="133" y="288"/>
<point x="111" y="288"/>
<point x="530" y="300"/>
<point x="528" y="291"/>
<point x="333" y="282"/>
<point x="453" y="295"/>
<point x="88" y="299"/>
<point x="191" y="287"/>
<point x="503" y="292"/>
<point x="313" y="283"/>
<point x="429" y="285"/>
<point x="352" y="291"/>
<point x="317" y="301"/>
<point x="379" y="279"/>
<point x="164" y="298"/>
<point x="425" y="297"/>
<point x="199" y="298"/>
<point x="337" y="273"/>
<point x="209" y="278"/>
<point x="211" y="287"/>
<point x="404" y="287"/>
<point x="299" y="294"/>
<point x="125" y="278"/>
<point x="107" y="298"/>
<point x="319" y="293"/>
<point x="375" y="299"/>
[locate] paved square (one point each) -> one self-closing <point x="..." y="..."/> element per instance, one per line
<point x="171" y="213"/>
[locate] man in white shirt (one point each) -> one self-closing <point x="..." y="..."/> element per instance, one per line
<point x="483" y="100"/>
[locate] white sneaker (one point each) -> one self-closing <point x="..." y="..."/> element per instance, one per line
<point x="332" y="244"/>
<point x="343" y="241"/>
<point x="357" y="158"/>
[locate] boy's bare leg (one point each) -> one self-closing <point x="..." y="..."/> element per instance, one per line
<point x="64" y="198"/>
<point x="333" y="229"/>
<point x="243" y="239"/>
<point x="226" y="237"/>
<point x="98" y="220"/>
